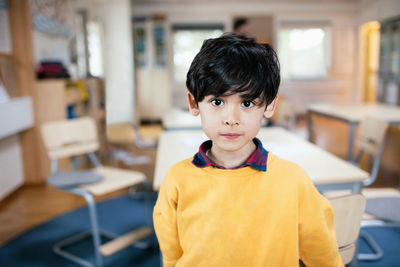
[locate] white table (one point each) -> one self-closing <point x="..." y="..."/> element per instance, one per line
<point x="179" y="119"/>
<point x="353" y="114"/>
<point x="327" y="171"/>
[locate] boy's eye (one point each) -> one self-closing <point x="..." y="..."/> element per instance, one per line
<point x="217" y="102"/>
<point x="247" y="104"/>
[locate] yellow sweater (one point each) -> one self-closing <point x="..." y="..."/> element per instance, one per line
<point x="244" y="217"/>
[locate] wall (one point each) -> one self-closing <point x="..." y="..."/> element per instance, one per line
<point x="377" y="10"/>
<point x="338" y="87"/>
<point x="118" y="61"/>
<point x="52" y="30"/>
<point x="50" y="47"/>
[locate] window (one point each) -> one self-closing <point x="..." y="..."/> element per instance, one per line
<point x="95" y="48"/>
<point x="304" y="50"/>
<point x="159" y="46"/>
<point x="139" y="37"/>
<point x="187" y="43"/>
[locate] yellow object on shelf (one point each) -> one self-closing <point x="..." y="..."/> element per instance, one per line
<point x="80" y="87"/>
<point x="73" y="96"/>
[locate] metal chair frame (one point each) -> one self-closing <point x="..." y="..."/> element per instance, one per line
<point x="95" y="231"/>
<point x="52" y="140"/>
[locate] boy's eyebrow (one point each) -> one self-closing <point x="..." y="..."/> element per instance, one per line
<point x="246" y="97"/>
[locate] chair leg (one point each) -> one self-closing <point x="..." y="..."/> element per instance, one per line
<point x="398" y="188"/>
<point x="94" y="232"/>
<point x="94" y="226"/>
<point x="58" y="248"/>
<point x="146" y="195"/>
<point x="148" y="203"/>
<point x="377" y="251"/>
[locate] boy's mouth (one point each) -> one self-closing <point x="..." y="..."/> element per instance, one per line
<point x="230" y="136"/>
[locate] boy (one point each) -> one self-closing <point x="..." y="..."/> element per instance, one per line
<point x="234" y="203"/>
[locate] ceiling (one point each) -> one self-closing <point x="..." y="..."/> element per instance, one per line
<point x="186" y="2"/>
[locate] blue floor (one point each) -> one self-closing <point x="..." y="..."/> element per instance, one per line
<point x="34" y="248"/>
<point x="389" y="240"/>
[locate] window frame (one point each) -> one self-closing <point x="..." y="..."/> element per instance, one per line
<point x="326" y="26"/>
<point x="189" y="27"/>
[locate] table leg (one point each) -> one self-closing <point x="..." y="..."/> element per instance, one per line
<point x="357" y="187"/>
<point x="309" y="125"/>
<point x="398" y="188"/>
<point x="352" y="126"/>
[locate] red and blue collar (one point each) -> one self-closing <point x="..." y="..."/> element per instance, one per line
<point x="258" y="160"/>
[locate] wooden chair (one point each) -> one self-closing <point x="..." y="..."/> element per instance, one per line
<point x="348" y="210"/>
<point x="120" y="135"/>
<point x="128" y="133"/>
<point x="70" y="138"/>
<point x="386" y="210"/>
<point x="371" y="139"/>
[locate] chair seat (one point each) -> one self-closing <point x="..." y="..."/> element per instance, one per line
<point x="75" y="178"/>
<point x="385" y="208"/>
<point x="113" y="179"/>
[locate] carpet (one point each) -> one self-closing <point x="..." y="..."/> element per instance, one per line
<point x="388" y="239"/>
<point x="34" y="248"/>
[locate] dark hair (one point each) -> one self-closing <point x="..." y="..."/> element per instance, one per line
<point x="239" y="22"/>
<point x="234" y="64"/>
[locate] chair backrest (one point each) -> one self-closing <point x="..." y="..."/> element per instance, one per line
<point x="68" y="138"/>
<point x="371" y="134"/>
<point x="348" y="210"/>
<point x="285" y="114"/>
<point x="371" y="139"/>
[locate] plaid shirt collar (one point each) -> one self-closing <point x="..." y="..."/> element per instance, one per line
<point x="258" y="160"/>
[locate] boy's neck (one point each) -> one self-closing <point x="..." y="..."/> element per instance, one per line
<point x="230" y="159"/>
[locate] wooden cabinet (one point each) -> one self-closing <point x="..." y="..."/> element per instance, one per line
<point x="15" y="116"/>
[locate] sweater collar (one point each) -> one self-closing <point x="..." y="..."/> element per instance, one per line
<point x="257" y="160"/>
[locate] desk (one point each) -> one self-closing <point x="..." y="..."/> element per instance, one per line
<point x="179" y="119"/>
<point x="353" y="114"/>
<point x="327" y="171"/>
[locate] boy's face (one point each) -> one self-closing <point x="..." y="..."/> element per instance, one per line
<point x="231" y="122"/>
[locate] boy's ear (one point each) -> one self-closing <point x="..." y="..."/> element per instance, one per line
<point x="193" y="107"/>
<point x="269" y="111"/>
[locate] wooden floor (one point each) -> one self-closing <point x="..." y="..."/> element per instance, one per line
<point x="32" y="205"/>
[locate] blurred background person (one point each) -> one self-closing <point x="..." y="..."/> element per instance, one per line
<point x="241" y="27"/>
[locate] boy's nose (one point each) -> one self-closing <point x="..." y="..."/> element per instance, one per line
<point x="232" y="117"/>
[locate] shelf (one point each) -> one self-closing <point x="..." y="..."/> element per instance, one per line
<point x="16" y="116"/>
<point x="72" y="97"/>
